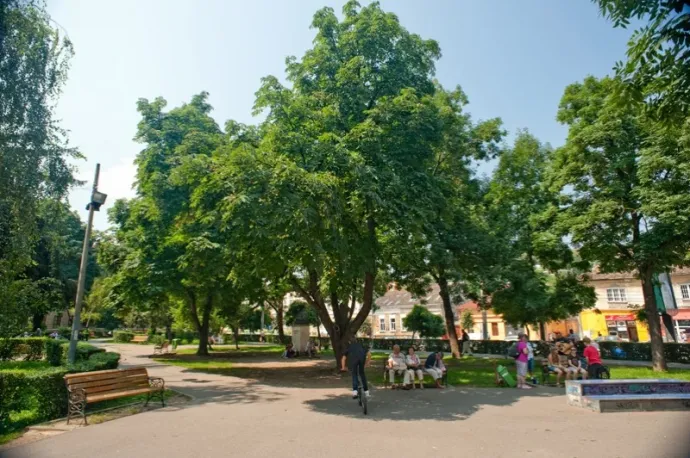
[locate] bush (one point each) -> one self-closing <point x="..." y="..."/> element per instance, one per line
<point x="43" y="392"/>
<point x="123" y="336"/>
<point x="84" y="351"/>
<point x="31" y="348"/>
<point x="97" y="362"/>
<point x="65" y="332"/>
<point x="54" y="351"/>
<point x="156" y="340"/>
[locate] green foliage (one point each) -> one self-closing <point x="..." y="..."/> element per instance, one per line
<point x="43" y="391"/>
<point x="658" y="66"/>
<point x="304" y="311"/>
<point x="54" y="352"/>
<point x="156" y="340"/>
<point x="466" y="320"/>
<point x="84" y="351"/>
<point x="33" y="151"/>
<point x="65" y="332"/>
<point x="536" y="278"/>
<point x="27" y="348"/>
<point x="623" y="180"/>
<point x="421" y="320"/>
<point x="99" y="361"/>
<point x="336" y="177"/>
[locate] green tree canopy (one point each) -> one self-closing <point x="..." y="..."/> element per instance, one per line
<point x="657" y="72"/>
<point x="421" y="320"/>
<point x="340" y="165"/>
<point x="537" y="279"/>
<point x="624" y="182"/>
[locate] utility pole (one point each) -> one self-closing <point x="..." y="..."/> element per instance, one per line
<point x="97" y="199"/>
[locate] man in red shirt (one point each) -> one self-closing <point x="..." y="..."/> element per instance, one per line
<point x="593" y="358"/>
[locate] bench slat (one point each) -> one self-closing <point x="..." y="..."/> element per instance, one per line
<point x="103" y="375"/>
<point x="121" y="384"/>
<point x="116" y="394"/>
<point x="109" y="381"/>
<point x="101" y="380"/>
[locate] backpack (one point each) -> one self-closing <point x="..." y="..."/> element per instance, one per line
<point x="513" y="351"/>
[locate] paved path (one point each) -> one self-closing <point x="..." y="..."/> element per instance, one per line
<point x="235" y="417"/>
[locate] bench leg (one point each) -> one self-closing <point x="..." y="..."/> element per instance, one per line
<point x="76" y="405"/>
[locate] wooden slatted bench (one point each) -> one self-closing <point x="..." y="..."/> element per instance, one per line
<point x="88" y="387"/>
<point x="140" y="339"/>
<point x="387" y="383"/>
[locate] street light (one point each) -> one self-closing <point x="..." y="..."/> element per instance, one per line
<point x="97" y="199"/>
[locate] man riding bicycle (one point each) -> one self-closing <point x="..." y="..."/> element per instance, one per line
<point x="358" y="358"/>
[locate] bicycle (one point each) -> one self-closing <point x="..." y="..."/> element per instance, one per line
<point x="361" y="397"/>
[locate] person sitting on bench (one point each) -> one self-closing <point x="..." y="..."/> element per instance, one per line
<point x="575" y="366"/>
<point x="397" y="365"/>
<point x="414" y="367"/>
<point x="289" y="351"/>
<point x="555" y="365"/>
<point x="434" y="366"/>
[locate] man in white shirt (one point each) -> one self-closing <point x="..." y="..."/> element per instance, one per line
<point x="397" y="365"/>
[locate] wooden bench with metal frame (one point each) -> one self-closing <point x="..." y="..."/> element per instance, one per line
<point x="444" y="378"/>
<point x="89" y="387"/>
<point x="140" y="339"/>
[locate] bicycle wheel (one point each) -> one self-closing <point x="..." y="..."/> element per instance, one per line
<point x="359" y="396"/>
<point x="362" y="397"/>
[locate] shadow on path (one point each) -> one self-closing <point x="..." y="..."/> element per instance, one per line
<point x="451" y="404"/>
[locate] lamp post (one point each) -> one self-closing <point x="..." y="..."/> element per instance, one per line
<point x="97" y="199"/>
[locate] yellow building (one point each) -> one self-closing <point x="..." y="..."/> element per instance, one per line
<point x="618" y="296"/>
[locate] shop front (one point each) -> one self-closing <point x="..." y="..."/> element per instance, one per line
<point x="620" y="323"/>
<point x="681" y="322"/>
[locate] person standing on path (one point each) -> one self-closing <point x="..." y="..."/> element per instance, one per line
<point x="466" y="347"/>
<point x="521" y="362"/>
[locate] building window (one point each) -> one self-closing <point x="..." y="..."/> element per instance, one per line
<point x="685" y="291"/>
<point x="494" y="329"/>
<point x="382" y="324"/>
<point x="616" y="295"/>
<point x="392" y="324"/>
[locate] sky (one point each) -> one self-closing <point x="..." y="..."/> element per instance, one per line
<point x="512" y="58"/>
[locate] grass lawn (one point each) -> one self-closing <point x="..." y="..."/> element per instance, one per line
<point x="468" y="371"/>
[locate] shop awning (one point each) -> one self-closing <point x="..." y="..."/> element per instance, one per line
<point x="628" y="317"/>
<point x="680" y="314"/>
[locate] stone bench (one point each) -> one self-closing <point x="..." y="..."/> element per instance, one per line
<point x="629" y="395"/>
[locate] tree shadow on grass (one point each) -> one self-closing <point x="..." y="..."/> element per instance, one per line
<point x="451" y="404"/>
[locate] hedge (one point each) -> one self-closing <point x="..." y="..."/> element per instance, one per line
<point x="30" y="348"/>
<point x="44" y="392"/>
<point x="54" y="352"/>
<point x="123" y="336"/>
<point x="629" y="351"/>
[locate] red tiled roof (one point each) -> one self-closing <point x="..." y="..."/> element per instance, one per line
<point x="472" y="306"/>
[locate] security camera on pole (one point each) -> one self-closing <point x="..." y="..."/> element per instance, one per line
<point x="97" y="199"/>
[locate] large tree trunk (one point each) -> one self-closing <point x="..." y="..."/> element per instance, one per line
<point x="203" y="324"/>
<point x="542" y="331"/>
<point x="236" y="335"/>
<point x="657" y="343"/>
<point x="450" y="317"/>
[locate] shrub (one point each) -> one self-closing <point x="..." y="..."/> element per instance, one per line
<point x="123" y="336"/>
<point x="65" y="332"/>
<point x="31" y="348"/>
<point x="97" y="362"/>
<point x="156" y="340"/>
<point x="84" y="351"/>
<point x="54" y="351"/>
<point x="43" y="392"/>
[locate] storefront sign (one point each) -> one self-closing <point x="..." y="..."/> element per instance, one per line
<point x="619" y="317"/>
